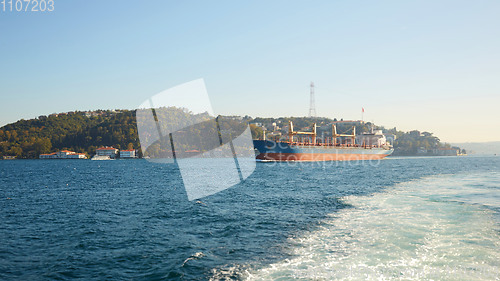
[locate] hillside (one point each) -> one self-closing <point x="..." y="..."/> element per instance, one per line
<point x="77" y="131"/>
<point x="83" y="132"/>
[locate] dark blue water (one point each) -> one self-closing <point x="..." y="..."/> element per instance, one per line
<point x="130" y="219"/>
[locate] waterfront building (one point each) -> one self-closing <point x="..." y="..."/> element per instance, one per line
<point x="107" y="151"/>
<point x="48" y="156"/>
<point x="76" y="156"/>
<point x="63" y="154"/>
<point x="130" y="153"/>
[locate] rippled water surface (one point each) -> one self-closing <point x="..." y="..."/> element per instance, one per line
<point x="400" y="218"/>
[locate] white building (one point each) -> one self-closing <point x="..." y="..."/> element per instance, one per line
<point x="63" y="154"/>
<point x="106" y="151"/>
<point x="48" y="156"/>
<point x="77" y="156"/>
<point x="127" y="153"/>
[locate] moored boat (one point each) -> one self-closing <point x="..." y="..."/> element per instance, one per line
<point x="101" y="157"/>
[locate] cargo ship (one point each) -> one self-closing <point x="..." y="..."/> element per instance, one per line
<point x="305" y="146"/>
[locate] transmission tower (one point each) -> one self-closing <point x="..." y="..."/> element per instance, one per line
<point x="312" y="106"/>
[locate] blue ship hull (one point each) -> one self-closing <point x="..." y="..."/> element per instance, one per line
<point x="284" y="151"/>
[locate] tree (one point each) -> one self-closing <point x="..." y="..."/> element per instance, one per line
<point x="41" y="146"/>
<point x="257" y="132"/>
<point x="15" y="151"/>
<point x="130" y="146"/>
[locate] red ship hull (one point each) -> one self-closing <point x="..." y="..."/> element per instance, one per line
<point x="318" y="157"/>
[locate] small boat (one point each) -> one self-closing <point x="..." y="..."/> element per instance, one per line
<point x="101" y="157"/>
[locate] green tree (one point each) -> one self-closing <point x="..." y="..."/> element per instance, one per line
<point x="130" y="146"/>
<point x="257" y="132"/>
<point x="41" y="146"/>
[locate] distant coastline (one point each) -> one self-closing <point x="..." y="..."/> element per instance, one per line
<point x="481" y="148"/>
<point x="83" y="132"/>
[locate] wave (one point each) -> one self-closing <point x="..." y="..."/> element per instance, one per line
<point x="440" y="227"/>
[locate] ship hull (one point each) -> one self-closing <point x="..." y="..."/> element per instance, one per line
<point x="283" y="151"/>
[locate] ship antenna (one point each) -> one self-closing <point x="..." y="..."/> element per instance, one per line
<point x="312" y="106"/>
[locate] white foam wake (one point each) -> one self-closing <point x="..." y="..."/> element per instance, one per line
<point x="420" y="230"/>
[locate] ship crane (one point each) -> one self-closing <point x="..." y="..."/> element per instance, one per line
<point x="313" y="134"/>
<point x="335" y="135"/>
<point x="292" y="133"/>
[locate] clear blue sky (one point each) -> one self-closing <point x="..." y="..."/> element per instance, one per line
<point x="428" y="65"/>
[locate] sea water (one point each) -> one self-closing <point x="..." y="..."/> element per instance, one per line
<point x="435" y="218"/>
<point x="437" y="228"/>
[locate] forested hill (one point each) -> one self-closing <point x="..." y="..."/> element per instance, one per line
<point x="83" y="132"/>
<point x="76" y="131"/>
